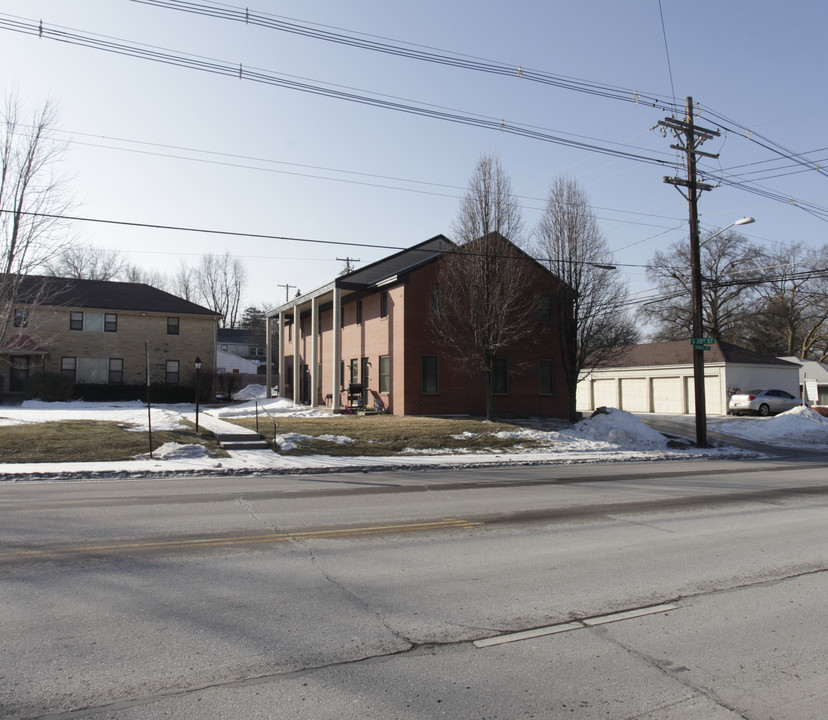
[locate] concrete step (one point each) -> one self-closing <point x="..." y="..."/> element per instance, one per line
<point x="242" y="441"/>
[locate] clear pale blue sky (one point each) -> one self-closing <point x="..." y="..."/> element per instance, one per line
<point x="303" y="166"/>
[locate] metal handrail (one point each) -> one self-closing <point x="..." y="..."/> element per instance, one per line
<point x="272" y="419"/>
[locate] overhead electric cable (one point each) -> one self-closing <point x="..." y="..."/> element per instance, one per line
<point x="227" y="69"/>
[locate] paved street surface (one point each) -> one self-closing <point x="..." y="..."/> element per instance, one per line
<point x="395" y="595"/>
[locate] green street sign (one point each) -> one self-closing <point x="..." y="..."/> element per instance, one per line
<point x="703" y="342"/>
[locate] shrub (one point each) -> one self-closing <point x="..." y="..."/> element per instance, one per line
<point x="50" y="387"/>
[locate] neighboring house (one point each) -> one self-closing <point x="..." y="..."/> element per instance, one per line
<point x="104" y="332"/>
<point x="367" y="332"/>
<point x="242" y="343"/>
<point x="227" y="362"/>
<point x="658" y="378"/>
<point x="811" y="371"/>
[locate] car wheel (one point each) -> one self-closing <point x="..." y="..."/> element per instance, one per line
<point x="764" y="410"/>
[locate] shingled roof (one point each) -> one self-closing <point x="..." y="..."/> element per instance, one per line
<point x="104" y="295"/>
<point x="680" y="352"/>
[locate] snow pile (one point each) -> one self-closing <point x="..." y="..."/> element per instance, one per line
<point x="176" y="451"/>
<point x="274" y="406"/>
<point x="617" y="427"/>
<point x="131" y="413"/>
<point x="796" y="427"/>
<point x="251" y="392"/>
<point x="290" y="441"/>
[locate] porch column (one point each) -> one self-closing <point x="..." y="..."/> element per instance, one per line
<point x="297" y="375"/>
<point x="314" y="373"/>
<point x="336" y="350"/>
<point x="282" y="354"/>
<point x="268" y="350"/>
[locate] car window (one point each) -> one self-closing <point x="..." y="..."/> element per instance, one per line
<point x="773" y="393"/>
<point x="753" y="392"/>
<point x="785" y="395"/>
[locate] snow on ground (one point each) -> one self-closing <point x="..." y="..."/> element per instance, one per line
<point x="799" y="427"/>
<point x="612" y="436"/>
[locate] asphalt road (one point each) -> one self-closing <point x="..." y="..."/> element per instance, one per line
<point x="378" y="595"/>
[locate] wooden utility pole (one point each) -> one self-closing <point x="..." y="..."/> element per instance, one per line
<point x="287" y="288"/>
<point x="690" y="137"/>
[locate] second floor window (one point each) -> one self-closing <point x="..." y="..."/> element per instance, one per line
<point x="110" y="322"/>
<point x="384" y="303"/>
<point x="172" y="326"/>
<point x="21" y="317"/>
<point x="436" y="300"/>
<point x="359" y="312"/>
<point x="76" y="321"/>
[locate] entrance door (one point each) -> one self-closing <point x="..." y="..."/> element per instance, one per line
<point x="19" y="372"/>
<point x="364" y="367"/>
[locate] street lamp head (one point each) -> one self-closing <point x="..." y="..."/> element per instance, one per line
<point x="198" y="363"/>
<point x="745" y="221"/>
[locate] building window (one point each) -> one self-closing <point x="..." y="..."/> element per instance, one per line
<point x="21" y="317"/>
<point x="500" y="378"/>
<point x="431" y="374"/>
<point x="354" y="370"/>
<point x="172" y="326"/>
<point x="172" y="372"/>
<point x="545" y="307"/>
<point x="436" y="300"/>
<point x="224" y="348"/>
<point x="384" y="303"/>
<point x="110" y="322"/>
<point x="342" y="315"/>
<point x="384" y="374"/>
<point x="359" y="312"/>
<point x="547" y="377"/>
<point x="116" y="370"/>
<point x="341" y="373"/>
<point x="68" y="367"/>
<point x="76" y="321"/>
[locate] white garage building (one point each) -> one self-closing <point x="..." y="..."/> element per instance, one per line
<point x="658" y="378"/>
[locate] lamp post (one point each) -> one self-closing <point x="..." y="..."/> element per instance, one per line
<point x="198" y="377"/>
<point x="698" y="329"/>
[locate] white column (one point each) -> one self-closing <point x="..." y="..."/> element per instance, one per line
<point x="296" y="356"/>
<point x="336" y="350"/>
<point x="269" y="370"/>
<point x="314" y="373"/>
<point x="282" y="377"/>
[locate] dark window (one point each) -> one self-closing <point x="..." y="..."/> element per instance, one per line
<point x="172" y="326"/>
<point x="68" y="367"/>
<point x="110" y="322"/>
<point x="341" y="373"/>
<point x="436" y="300"/>
<point x="116" y="370"/>
<point x="355" y="370"/>
<point x="547" y="377"/>
<point x="384" y="374"/>
<point x="501" y="376"/>
<point x="21" y="317"/>
<point x="431" y="374"/>
<point x="342" y="316"/>
<point x="384" y="303"/>
<point x="359" y="312"/>
<point x="545" y="304"/>
<point x="76" y="321"/>
<point x="172" y="372"/>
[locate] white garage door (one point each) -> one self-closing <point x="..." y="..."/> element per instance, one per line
<point x="712" y="395"/>
<point x="604" y="393"/>
<point x="634" y="395"/>
<point x="667" y="395"/>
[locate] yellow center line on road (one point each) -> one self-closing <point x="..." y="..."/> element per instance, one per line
<point x="445" y="524"/>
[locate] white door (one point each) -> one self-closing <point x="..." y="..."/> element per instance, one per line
<point x="634" y="395"/>
<point x="667" y="395"/>
<point x="712" y="395"/>
<point x="604" y="392"/>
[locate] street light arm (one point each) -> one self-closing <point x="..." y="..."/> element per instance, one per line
<point x="743" y="221"/>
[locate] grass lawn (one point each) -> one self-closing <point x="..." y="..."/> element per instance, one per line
<point x="88" y="441"/>
<point x="391" y="434"/>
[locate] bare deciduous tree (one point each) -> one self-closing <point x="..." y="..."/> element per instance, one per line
<point x="85" y="262"/>
<point x="793" y="317"/>
<point x="570" y="244"/>
<point x="184" y="282"/>
<point x="221" y="280"/>
<point x="482" y="304"/>
<point x="32" y="198"/>
<point x="728" y="262"/>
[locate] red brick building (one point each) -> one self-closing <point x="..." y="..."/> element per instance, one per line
<point x="369" y="328"/>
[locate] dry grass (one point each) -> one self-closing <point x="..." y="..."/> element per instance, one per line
<point x="390" y="434"/>
<point x="87" y="441"/>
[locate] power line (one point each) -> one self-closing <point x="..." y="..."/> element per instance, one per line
<point x="252" y="74"/>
